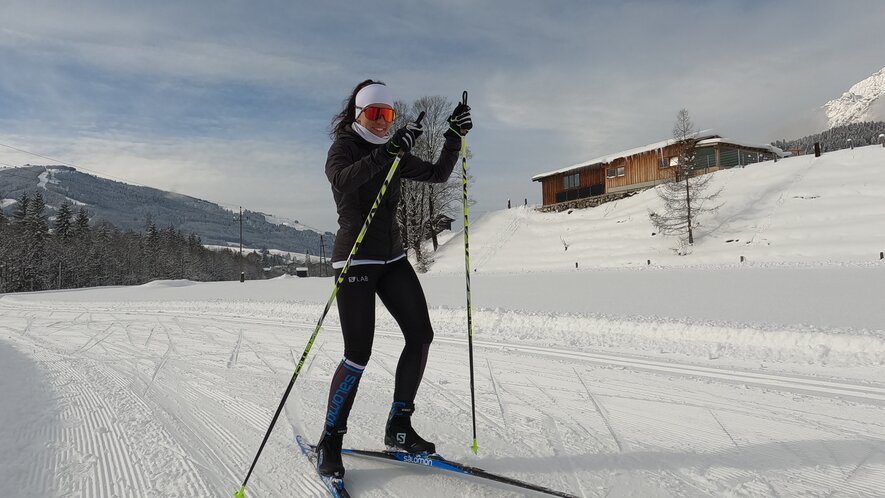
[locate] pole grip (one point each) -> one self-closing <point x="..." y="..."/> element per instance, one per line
<point x="464" y="101"/>
<point x="417" y="121"/>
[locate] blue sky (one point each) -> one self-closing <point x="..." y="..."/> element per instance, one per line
<point x="230" y="100"/>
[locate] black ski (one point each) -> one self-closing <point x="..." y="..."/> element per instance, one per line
<point x="334" y="486"/>
<point x="437" y="462"/>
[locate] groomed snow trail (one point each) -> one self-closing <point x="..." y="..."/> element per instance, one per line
<point x="171" y="398"/>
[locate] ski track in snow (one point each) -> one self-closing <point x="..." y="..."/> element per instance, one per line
<point x="170" y="400"/>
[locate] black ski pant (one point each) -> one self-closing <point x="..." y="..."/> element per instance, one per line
<point x="399" y="289"/>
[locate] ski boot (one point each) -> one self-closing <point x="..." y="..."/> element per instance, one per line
<point x="399" y="434"/>
<point x="329" y="453"/>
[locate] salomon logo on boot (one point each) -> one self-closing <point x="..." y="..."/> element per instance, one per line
<point x="400" y="436"/>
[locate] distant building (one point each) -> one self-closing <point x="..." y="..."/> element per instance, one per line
<point x="301" y="271"/>
<point x="441" y="222"/>
<point x="646" y="166"/>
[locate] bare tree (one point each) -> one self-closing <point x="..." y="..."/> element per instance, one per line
<point x="686" y="195"/>
<point x="421" y="203"/>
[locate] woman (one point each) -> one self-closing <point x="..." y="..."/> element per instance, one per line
<point x="357" y="165"/>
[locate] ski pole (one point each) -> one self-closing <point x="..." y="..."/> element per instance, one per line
<point x="475" y="446"/>
<point x="241" y="493"/>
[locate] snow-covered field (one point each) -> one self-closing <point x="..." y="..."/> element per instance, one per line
<point x="695" y="376"/>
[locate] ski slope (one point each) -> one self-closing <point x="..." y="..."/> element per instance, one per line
<point x="694" y="376"/>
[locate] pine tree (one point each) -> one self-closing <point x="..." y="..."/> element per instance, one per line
<point x="81" y="222"/>
<point x="35" y="216"/>
<point x="63" y="219"/>
<point x="21" y="209"/>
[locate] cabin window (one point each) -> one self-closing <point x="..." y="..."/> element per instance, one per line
<point x="572" y="181"/>
<point x="614" y="172"/>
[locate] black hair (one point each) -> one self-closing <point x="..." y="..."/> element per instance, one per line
<point x="348" y="115"/>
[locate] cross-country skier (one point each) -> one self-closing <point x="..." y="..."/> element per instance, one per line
<point x="357" y="165"/>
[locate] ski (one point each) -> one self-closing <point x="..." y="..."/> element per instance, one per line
<point x="334" y="486"/>
<point x="438" y="462"/>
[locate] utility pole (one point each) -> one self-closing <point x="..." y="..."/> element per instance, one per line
<point x="242" y="273"/>
<point x="322" y="257"/>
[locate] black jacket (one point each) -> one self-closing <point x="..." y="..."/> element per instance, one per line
<point x="357" y="169"/>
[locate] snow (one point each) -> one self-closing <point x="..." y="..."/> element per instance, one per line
<point x="4" y="203"/>
<point x="858" y="103"/>
<point x="278" y="220"/>
<point x="770" y="148"/>
<point x="798" y="210"/>
<point x="694" y="376"/>
<point x="44" y="179"/>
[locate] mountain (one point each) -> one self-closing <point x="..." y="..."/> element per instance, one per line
<point x="131" y="207"/>
<point x="862" y="102"/>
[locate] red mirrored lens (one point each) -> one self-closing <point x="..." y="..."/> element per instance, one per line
<point x="373" y="113"/>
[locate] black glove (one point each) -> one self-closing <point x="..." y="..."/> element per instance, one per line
<point x="404" y="138"/>
<point x="460" y="121"/>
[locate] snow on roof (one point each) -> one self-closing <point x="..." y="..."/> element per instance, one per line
<point x="719" y="140"/>
<point x="704" y="134"/>
<point x="706" y="137"/>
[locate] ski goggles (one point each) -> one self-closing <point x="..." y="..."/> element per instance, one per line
<point x="373" y="113"/>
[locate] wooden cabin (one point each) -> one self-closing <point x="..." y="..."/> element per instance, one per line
<point x="645" y="167"/>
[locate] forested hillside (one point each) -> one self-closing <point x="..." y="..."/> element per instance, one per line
<point x="134" y="208"/>
<point x="861" y="134"/>
<point x="71" y="253"/>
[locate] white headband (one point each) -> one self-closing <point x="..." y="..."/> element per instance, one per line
<point x="373" y="94"/>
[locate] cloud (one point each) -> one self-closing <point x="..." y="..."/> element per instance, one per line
<point x="278" y="178"/>
<point x="206" y="96"/>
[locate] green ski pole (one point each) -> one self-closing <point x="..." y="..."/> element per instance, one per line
<point x="475" y="446"/>
<point x="241" y="493"/>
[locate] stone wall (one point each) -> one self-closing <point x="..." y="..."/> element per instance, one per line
<point x="588" y="202"/>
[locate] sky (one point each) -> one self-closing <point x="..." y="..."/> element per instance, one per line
<point x="230" y="101"/>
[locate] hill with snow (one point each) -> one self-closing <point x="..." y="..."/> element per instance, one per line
<point x="800" y="210"/>
<point x="864" y="101"/>
<point x="131" y="207"/>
